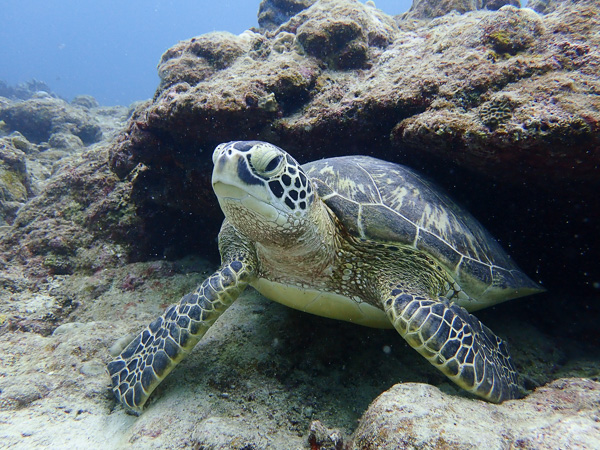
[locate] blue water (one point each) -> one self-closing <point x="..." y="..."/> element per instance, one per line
<point x="110" y="48"/>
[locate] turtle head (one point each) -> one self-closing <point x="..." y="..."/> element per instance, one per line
<point x="262" y="190"/>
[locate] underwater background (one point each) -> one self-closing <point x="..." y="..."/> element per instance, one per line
<point x="109" y="113"/>
<point x="110" y="49"/>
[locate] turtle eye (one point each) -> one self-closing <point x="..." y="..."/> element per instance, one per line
<point x="273" y="164"/>
<point x="268" y="164"/>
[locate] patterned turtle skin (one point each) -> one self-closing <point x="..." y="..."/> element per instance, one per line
<point x="386" y="202"/>
<point x="352" y="238"/>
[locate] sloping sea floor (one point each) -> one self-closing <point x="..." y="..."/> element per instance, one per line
<point x="261" y="376"/>
<point x="258" y="379"/>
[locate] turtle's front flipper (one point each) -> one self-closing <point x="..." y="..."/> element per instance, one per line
<point x="455" y="342"/>
<point x="150" y="357"/>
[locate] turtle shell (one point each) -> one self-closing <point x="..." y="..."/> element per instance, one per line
<point x="387" y="202"/>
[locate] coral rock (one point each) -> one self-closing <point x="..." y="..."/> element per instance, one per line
<point x="428" y="9"/>
<point x="15" y="187"/>
<point x="39" y="118"/>
<point x="512" y="30"/>
<point x="197" y="59"/>
<point x="272" y="13"/>
<point x="563" y="414"/>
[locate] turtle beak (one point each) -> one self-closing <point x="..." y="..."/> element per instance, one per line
<point x="224" y="170"/>
<point x="236" y="186"/>
<point x="231" y="167"/>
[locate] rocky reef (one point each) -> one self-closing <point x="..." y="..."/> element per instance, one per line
<point x="426" y="9"/>
<point x="272" y="13"/>
<point x="497" y="105"/>
<point x="99" y="207"/>
<point x="420" y="416"/>
<point x="508" y="86"/>
<point x="39" y="134"/>
<point x="60" y="204"/>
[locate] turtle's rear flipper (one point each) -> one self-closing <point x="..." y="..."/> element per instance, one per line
<point x="149" y="358"/>
<point x="455" y="342"/>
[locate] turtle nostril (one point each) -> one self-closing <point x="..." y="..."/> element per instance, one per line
<point x="221" y="153"/>
<point x="217" y="153"/>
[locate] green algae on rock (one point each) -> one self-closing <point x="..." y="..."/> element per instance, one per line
<point x="15" y="184"/>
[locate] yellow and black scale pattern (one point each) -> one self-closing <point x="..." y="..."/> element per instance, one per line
<point x="390" y="203"/>
<point x="419" y="306"/>
<point x="385" y="237"/>
<point x="150" y="357"/>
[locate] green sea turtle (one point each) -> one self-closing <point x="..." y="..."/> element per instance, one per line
<point x="352" y="238"/>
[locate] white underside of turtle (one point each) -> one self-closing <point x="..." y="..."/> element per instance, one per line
<point x="325" y="304"/>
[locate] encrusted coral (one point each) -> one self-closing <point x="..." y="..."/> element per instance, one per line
<point x="341" y="34"/>
<point x="272" y="13"/>
<point x="340" y="42"/>
<point x="201" y="57"/>
<point x="428" y="9"/>
<point x="496" y="111"/>
<point x="511" y="30"/>
<point x="284" y="42"/>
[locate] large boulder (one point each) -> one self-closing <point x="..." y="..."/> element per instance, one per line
<point x="486" y="90"/>
<point x="515" y="96"/>
<point x="562" y="414"/>
<point x="38" y="119"/>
